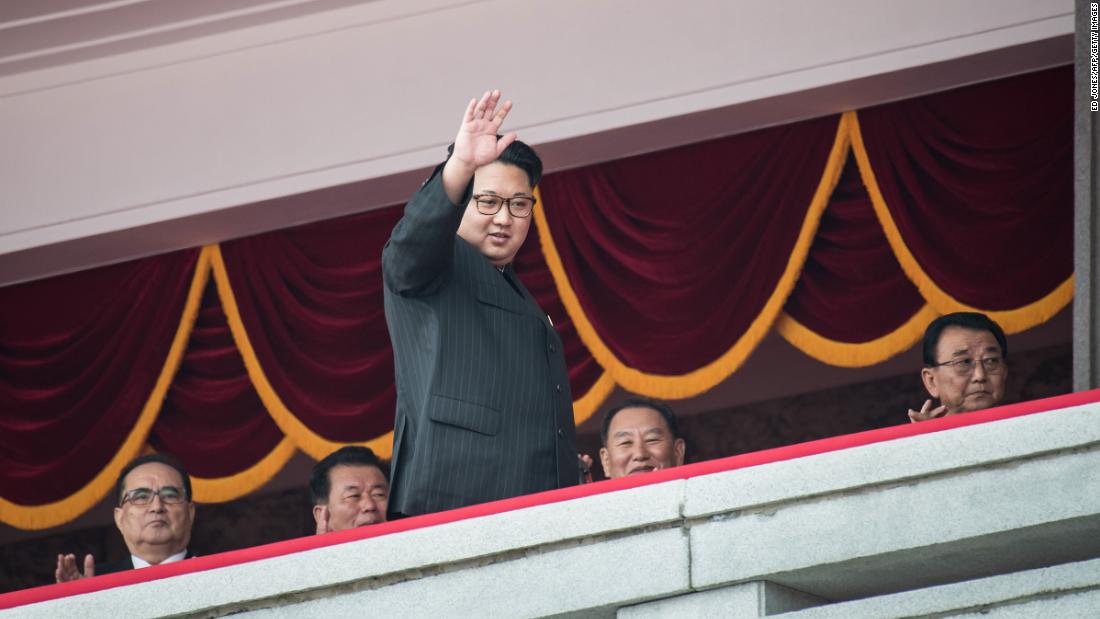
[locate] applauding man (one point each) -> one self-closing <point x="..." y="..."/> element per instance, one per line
<point x="484" y="410"/>
<point x="965" y="365"/>
<point x="154" y="515"/>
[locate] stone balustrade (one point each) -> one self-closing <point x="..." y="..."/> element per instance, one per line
<point x="995" y="512"/>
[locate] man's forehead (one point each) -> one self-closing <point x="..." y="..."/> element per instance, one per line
<point x="959" y="340"/>
<point x="502" y="178"/>
<point x="347" y="474"/>
<point x="638" y="419"/>
<point x="152" y="473"/>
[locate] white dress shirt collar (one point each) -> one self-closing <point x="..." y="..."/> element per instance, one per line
<point x="140" y="563"/>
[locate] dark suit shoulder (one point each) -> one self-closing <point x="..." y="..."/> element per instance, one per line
<point x="123" y="565"/>
<point x="114" y="566"/>
<point x="416" y="260"/>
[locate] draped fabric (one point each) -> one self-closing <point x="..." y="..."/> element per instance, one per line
<point x="850" y="270"/>
<point x="975" y="183"/>
<point x="85" y="360"/>
<point x="1018" y="212"/>
<point x="671" y="258"/>
<point x="661" y="273"/>
<point x="310" y="303"/>
<point x="853" y="305"/>
<point x="213" y="419"/>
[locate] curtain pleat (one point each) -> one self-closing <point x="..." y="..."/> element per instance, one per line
<point x="974" y="189"/>
<point x="212" y="418"/>
<point x="85" y="361"/>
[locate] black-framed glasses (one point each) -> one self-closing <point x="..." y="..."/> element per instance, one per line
<point x="169" y="495"/>
<point x="518" y="206"/>
<point x="966" y="365"/>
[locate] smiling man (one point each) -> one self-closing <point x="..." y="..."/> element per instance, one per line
<point x="349" y="490"/>
<point x="484" y="410"/>
<point x="965" y="365"/>
<point x="639" y="436"/>
<point x="154" y="514"/>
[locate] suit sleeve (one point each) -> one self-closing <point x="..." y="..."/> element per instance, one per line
<point x="417" y="259"/>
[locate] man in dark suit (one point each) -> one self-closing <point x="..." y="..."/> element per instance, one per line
<point x="484" y="410"/>
<point x="154" y="515"/>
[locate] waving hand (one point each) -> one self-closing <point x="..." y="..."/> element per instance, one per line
<point x="476" y="143"/>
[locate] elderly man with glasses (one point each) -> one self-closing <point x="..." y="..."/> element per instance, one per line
<point x="154" y="515"/>
<point x="965" y="365"/>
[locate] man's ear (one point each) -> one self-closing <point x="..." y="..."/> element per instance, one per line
<point x="605" y="462"/>
<point x="118" y="519"/>
<point x="320" y="518"/>
<point x="678" y="448"/>
<point x="928" y="377"/>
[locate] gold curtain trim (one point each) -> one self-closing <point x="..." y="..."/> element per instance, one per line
<point x="303" y="437"/>
<point x="700" y="380"/>
<point x="1012" y="321"/>
<point x="36" y="517"/>
<point x="587" y="405"/>
<point x="222" y="489"/>
<point x="855" y="354"/>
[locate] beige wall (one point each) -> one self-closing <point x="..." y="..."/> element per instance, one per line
<point x="109" y="157"/>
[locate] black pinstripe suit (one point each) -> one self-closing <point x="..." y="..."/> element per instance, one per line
<point x="484" y="410"/>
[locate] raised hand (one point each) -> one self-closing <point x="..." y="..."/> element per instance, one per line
<point x="926" y="412"/>
<point x="476" y="143"/>
<point x="67" y="570"/>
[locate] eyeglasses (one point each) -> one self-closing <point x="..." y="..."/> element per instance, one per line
<point x="966" y="365"/>
<point x="169" y="495"/>
<point x="518" y="206"/>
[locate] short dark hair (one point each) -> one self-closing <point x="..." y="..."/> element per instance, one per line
<point x="159" y="458"/>
<point x="352" y="455"/>
<point x="520" y="155"/>
<point x="966" y="320"/>
<point x="639" y="402"/>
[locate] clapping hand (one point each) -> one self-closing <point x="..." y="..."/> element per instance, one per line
<point x="926" y="412"/>
<point x="67" y="570"/>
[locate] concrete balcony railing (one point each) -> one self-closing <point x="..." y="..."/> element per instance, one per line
<point x="996" y="512"/>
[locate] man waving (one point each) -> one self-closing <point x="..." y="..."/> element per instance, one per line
<point x="484" y="410"/>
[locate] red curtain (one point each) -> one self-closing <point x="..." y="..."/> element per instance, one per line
<point x="311" y="301"/>
<point x="673" y="254"/>
<point x="852" y="289"/>
<point x="979" y="181"/>
<point x="79" y="356"/>
<point x="212" y="418"/>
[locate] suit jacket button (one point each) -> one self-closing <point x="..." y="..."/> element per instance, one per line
<point x="552" y="349"/>
<point x="560" y="433"/>
<point x="557" y="388"/>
